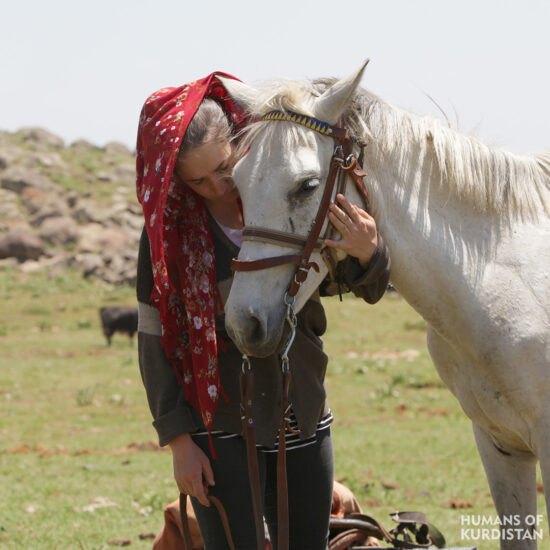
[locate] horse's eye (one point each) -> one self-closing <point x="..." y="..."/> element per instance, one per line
<point x="309" y="185"/>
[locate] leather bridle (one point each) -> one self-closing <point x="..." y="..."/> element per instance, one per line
<point x="343" y="162"/>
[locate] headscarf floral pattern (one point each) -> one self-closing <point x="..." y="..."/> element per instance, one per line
<point x="182" y="254"/>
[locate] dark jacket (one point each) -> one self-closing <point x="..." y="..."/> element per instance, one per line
<point x="172" y="413"/>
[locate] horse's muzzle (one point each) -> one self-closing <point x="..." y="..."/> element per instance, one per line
<point x="256" y="334"/>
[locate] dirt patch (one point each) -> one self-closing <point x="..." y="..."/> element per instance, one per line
<point x="140" y="447"/>
<point x="385" y="354"/>
<point x="43" y="451"/>
<point x="458" y="503"/>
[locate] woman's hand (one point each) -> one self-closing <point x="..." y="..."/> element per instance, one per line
<point x="358" y="230"/>
<point x="192" y="470"/>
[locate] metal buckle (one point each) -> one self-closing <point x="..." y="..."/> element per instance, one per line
<point x="246" y="366"/>
<point x="292" y="321"/>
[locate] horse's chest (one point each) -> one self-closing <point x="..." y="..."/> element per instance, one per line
<point x="496" y="402"/>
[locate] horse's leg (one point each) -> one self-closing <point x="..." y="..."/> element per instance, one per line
<point x="512" y="479"/>
<point x="543" y="451"/>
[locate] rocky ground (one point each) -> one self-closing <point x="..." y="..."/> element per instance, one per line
<point x="68" y="206"/>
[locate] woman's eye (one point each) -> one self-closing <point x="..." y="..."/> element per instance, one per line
<point x="309" y="185"/>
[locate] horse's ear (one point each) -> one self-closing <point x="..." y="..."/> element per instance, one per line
<point x="331" y="104"/>
<point x="243" y="94"/>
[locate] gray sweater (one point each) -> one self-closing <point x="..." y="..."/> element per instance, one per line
<point x="173" y="415"/>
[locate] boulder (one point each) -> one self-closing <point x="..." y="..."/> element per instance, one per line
<point x="87" y="211"/>
<point x="50" y="209"/>
<point x="17" y="179"/>
<point x="117" y="149"/>
<point x="88" y="264"/>
<point x="72" y="198"/>
<point x="22" y="245"/>
<point x="46" y="159"/>
<point x="59" y="230"/>
<point x="9" y="154"/>
<point x="35" y="200"/>
<point x="41" y="138"/>
<point x="56" y="265"/>
<point x="10" y="209"/>
<point x="82" y="145"/>
<point x="119" y="269"/>
<point x="107" y="240"/>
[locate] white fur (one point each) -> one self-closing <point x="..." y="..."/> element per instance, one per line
<point x="468" y="231"/>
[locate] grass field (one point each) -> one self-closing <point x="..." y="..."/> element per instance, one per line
<point x="79" y="467"/>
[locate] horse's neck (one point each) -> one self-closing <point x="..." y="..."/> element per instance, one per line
<point x="429" y="236"/>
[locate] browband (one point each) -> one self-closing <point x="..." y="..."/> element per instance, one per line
<point x="315" y="124"/>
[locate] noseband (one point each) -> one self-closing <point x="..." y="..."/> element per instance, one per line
<point x="343" y="161"/>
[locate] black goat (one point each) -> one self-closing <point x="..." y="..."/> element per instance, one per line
<point x="119" y="319"/>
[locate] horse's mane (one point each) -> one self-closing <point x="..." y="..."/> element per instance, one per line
<point x="488" y="179"/>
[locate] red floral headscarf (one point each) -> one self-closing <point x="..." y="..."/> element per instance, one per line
<point x="182" y="254"/>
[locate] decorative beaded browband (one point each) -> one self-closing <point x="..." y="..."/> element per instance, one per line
<point x="309" y="122"/>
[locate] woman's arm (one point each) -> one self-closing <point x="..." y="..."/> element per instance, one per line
<point x="172" y="414"/>
<point x="174" y="419"/>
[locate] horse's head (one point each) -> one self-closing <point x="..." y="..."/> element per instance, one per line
<point x="281" y="179"/>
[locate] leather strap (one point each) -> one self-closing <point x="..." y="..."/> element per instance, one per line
<point x="264" y="263"/>
<point x="302" y="269"/>
<point x="187" y="544"/>
<point x="362" y="521"/>
<point x="187" y="541"/>
<point x="348" y="539"/>
<point x="283" y="532"/>
<point x="247" y="393"/>
<point x="274" y="236"/>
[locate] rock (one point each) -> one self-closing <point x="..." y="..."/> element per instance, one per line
<point x="47" y="159"/>
<point x="127" y="219"/>
<point x="104" y="175"/>
<point x="59" y="230"/>
<point x="35" y="200"/>
<point x="18" y="179"/>
<point x="9" y="207"/>
<point x="88" y="212"/>
<point x="88" y="264"/>
<point x="120" y="541"/>
<point x="31" y="266"/>
<point x="41" y="137"/>
<point x="81" y="145"/>
<point x="97" y="238"/>
<point x="21" y="245"/>
<point x="71" y="198"/>
<point x="118" y="149"/>
<point x="9" y="154"/>
<point x="52" y="209"/>
<point x="58" y="190"/>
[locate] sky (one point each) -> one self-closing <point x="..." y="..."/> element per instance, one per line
<point x="83" y="69"/>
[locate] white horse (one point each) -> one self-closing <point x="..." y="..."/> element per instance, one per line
<point x="468" y="229"/>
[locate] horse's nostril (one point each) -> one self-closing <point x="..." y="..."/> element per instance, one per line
<point x="257" y="329"/>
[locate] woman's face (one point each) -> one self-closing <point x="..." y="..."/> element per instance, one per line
<point x="207" y="170"/>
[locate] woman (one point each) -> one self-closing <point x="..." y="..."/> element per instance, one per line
<point x="193" y="221"/>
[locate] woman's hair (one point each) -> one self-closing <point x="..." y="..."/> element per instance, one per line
<point x="209" y="125"/>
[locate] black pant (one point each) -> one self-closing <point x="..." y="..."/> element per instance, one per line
<point x="310" y="473"/>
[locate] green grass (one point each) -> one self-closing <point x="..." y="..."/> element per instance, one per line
<point x="77" y="468"/>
